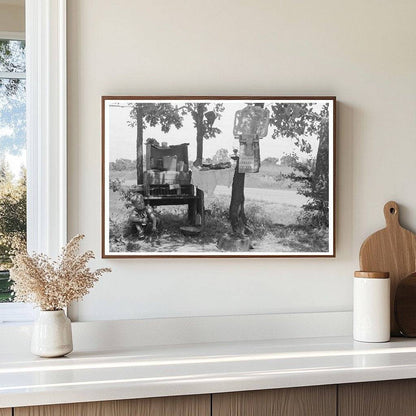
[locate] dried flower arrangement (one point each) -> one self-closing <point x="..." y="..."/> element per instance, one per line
<point x="53" y="285"/>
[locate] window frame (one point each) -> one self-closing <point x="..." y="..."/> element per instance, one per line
<point x="12" y="35"/>
<point x="46" y="126"/>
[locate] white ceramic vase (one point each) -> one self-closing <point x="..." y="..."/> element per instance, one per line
<point x="52" y="334"/>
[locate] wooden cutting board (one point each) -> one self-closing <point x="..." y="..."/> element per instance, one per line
<point x="393" y="250"/>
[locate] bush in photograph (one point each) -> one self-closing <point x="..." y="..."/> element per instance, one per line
<point x="298" y="121"/>
<point x="315" y="211"/>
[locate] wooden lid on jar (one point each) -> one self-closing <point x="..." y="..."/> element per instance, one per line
<point x="372" y="275"/>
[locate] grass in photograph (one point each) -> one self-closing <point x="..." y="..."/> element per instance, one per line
<point x="275" y="226"/>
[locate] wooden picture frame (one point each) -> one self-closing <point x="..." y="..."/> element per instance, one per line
<point x="161" y="154"/>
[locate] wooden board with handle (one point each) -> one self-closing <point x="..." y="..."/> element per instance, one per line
<point x="393" y="250"/>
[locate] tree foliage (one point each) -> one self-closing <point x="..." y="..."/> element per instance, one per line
<point x="12" y="97"/>
<point x="12" y="213"/>
<point x="296" y="121"/>
<point x="316" y="210"/>
<point x="203" y="118"/>
<point x="299" y="122"/>
<point x="12" y="141"/>
<point x="12" y="56"/>
<point x="164" y="114"/>
<point x="206" y="126"/>
<point x="143" y="115"/>
<point x="122" y="164"/>
<point x="289" y="159"/>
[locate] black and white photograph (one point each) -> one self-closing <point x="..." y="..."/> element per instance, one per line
<point x="218" y="176"/>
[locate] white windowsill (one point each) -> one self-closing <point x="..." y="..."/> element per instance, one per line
<point x="16" y="313"/>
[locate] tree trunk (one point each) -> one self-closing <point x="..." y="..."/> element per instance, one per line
<point x="200" y="130"/>
<point x="320" y="176"/>
<point x="237" y="217"/>
<point x="139" y="146"/>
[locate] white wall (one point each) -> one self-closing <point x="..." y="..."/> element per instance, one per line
<point x="361" y="51"/>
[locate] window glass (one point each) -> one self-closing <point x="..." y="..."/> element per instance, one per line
<point x="12" y="56"/>
<point x="12" y="156"/>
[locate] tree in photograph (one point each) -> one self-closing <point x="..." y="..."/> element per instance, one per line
<point x="238" y="218"/>
<point x="203" y="119"/>
<point x="237" y="214"/>
<point x="296" y="121"/>
<point x="288" y="159"/>
<point x="123" y="164"/>
<point x="300" y="121"/>
<point x="143" y="115"/>
<point x="322" y="157"/>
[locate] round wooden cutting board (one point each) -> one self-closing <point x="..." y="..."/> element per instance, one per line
<point x="393" y="250"/>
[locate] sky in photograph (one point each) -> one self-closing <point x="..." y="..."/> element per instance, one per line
<point x="122" y="138"/>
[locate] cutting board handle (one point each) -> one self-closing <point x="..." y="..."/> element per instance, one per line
<point x="391" y="213"/>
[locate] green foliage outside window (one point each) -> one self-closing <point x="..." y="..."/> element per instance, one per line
<point x="12" y="145"/>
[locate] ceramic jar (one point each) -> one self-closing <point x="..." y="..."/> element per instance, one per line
<point x="371" y="306"/>
<point x="52" y="334"/>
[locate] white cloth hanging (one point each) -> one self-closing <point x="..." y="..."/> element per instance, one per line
<point x="207" y="180"/>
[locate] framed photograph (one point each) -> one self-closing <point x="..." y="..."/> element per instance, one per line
<point x="218" y="176"/>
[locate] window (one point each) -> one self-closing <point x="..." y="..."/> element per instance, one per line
<point x="45" y="27"/>
<point x="12" y="153"/>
